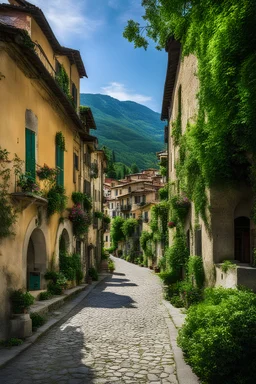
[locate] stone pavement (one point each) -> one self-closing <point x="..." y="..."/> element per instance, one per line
<point x="118" y="334"/>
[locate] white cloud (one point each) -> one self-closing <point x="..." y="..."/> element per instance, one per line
<point x="67" y="17"/>
<point x="118" y="91"/>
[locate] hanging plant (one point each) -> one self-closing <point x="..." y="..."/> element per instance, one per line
<point x="94" y="170"/>
<point x="46" y="173"/>
<point x="60" y="140"/>
<point x="80" y="220"/>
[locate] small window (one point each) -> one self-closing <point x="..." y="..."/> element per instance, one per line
<point x="30" y="157"/>
<point x="74" y="94"/>
<point x="106" y="238"/>
<point x="116" y="192"/>
<point x="198" y="242"/>
<point x="60" y="165"/>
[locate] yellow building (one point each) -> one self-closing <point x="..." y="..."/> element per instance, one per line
<point x="40" y="123"/>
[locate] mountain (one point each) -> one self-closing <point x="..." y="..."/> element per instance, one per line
<point x="132" y="130"/>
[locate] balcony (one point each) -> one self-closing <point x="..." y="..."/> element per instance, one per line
<point x="126" y="207"/>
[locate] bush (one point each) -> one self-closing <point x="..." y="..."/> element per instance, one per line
<point x="12" y="342"/>
<point x="111" y="265"/>
<point x="169" y="277"/>
<point x="57" y="282"/>
<point x="189" y="293"/>
<point x="219" y="337"/>
<point x="37" y="320"/>
<point x="177" y="301"/>
<point x="45" y="295"/>
<point x="196" y="270"/>
<point x="21" y="301"/>
<point x="93" y="274"/>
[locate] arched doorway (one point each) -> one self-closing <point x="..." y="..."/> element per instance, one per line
<point x="64" y="242"/>
<point x="36" y="261"/>
<point x="242" y="239"/>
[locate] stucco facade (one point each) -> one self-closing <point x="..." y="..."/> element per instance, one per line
<point x="31" y="100"/>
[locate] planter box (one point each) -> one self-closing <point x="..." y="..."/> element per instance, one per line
<point x="21" y="326"/>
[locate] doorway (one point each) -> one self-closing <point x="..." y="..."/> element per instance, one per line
<point x="242" y="239"/>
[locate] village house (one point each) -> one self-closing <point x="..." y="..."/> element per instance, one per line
<point x="43" y="129"/>
<point x="227" y="232"/>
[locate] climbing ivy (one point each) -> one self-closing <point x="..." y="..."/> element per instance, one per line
<point x="216" y="149"/>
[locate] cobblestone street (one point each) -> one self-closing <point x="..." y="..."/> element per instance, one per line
<point x="118" y="334"/>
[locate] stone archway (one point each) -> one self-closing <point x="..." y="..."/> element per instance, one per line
<point x="36" y="260"/>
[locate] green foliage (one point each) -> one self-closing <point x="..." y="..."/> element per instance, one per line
<point x="45" y="295"/>
<point x="70" y="266"/>
<point x="57" y="283"/>
<point x="57" y="200"/>
<point x="227" y="265"/>
<point x="169" y="277"/>
<point x="111" y="265"/>
<point x="219" y="337"/>
<point x="21" y="301"/>
<point x="122" y="127"/>
<point x="159" y="221"/>
<point x="134" y="168"/>
<point x="7" y="213"/>
<point x="116" y="231"/>
<point x="106" y="219"/>
<point x="60" y="140"/>
<point x="163" y="192"/>
<point x="111" y="249"/>
<point x="195" y="270"/>
<point x="92" y="272"/>
<point x="37" y="320"/>
<point x="177" y="255"/>
<point x="221" y="35"/>
<point x="63" y="81"/>
<point x="129" y="226"/>
<point x="77" y="197"/>
<point x="12" y="342"/>
<point x="98" y="215"/>
<point x="190" y="293"/>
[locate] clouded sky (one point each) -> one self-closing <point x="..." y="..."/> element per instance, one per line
<point x="113" y="66"/>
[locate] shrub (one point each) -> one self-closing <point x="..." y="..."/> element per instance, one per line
<point x="189" y="293"/>
<point x="168" y="277"/>
<point x="177" y="301"/>
<point x="37" y="320"/>
<point x="77" y="197"/>
<point x="111" y="265"/>
<point x="21" y="301"/>
<point x="219" y="337"/>
<point x="196" y="270"/>
<point x="93" y="274"/>
<point x="45" y="295"/>
<point x="57" y="200"/>
<point x="12" y="342"/>
<point x="57" y="282"/>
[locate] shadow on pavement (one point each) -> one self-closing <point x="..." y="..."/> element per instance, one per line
<point x="59" y="356"/>
<point x="111" y="300"/>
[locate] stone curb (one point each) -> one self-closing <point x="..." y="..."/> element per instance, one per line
<point x="174" y="320"/>
<point x="6" y="355"/>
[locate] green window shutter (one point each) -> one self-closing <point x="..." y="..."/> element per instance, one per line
<point x="30" y="153"/>
<point x="60" y="165"/>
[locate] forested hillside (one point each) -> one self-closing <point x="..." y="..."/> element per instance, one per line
<point x="133" y="131"/>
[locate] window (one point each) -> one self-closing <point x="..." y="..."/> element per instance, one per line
<point x="198" y="242"/>
<point x="106" y="238"/>
<point x="75" y="166"/>
<point x="60" y="165"/>
<point x="116" y="192"/>
<point x="30" y="153"/>
<point x="74" y="94"/>
<point x="78" y="247"/>
<point x="87" y="188"/>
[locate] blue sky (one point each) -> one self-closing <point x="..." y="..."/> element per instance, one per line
<point x="113" y="66"/>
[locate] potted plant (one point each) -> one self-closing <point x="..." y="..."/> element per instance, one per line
<point x="111" y="266"/>
<point x="21" y="324"/>
<point x="27" y="183"/>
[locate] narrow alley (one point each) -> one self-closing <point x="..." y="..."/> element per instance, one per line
<point x="117" y="334"/>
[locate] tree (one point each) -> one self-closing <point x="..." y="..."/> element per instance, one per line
<point x="134" y="168"/>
